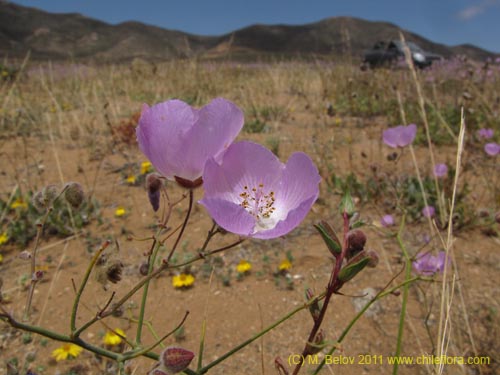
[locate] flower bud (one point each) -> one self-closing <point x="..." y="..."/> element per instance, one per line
<point x="25" y="255"/>
<point x="50" y="193"/>
<point x="114" y="272"/>
<point x="38" y="202"/>
<point x="356" y="240"/>
<point x="374" y="258"/>
<point x="37" y="276"/>
<point x="153" y="186"/>
<point x="279" y="365"/>
<point x="144" y="269"/>
<point x="74" y="194"/>
<point x="176" y="359"/>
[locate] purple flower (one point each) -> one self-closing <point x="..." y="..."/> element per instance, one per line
<point x="428" y="265"/>
<point x="440" y="170"/>
<point x="485" y="133"/>
<point x="428" y="211"/>
<point x="251" y="193"/>
<point x="400" y="136"/>
<point x="387" y="221"/>
<point x="492" y="149"/>
<point x="179" y="139"/>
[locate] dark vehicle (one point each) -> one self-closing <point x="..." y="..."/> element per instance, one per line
<point x="387" y="54"/>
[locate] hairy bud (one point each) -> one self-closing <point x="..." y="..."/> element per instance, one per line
<point x="176" y="359"/>
<point x="74" y="194"/>
<point x="356" y="240"/>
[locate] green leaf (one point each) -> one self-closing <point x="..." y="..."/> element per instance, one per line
<point x="351" y="270"/>
<point x="330" y="238"/>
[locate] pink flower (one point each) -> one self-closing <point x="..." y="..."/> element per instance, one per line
<point x="428" y="265"/>
<point x="178" y="139"/>
<point x="251" y="193"/>
<point x="492" y="149"/>
<point x="387" y="221"/>
<point x="428" y="211"/>
<point x="440" y="170"/>
<point x="485" y="133"/>
<point x="400" y="136"/>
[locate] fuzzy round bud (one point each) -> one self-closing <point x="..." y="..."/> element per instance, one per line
<point x="114" y="272"/>
<point x="176" y="359"/>
<point x="50" y="193"/>
<point x="374" y="258"/>
<point x="38" y="201"/>
<point x="37" y="276"/>
<point x="25" y="255"/>
<point x="356" y="240"/>
<point x="144" y="269"/>
<point x="74" y="194"/>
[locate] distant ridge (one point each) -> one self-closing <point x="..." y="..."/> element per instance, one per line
<point x="63" y="36"/>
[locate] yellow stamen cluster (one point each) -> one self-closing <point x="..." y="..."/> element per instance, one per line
<point x="257" y="203"/>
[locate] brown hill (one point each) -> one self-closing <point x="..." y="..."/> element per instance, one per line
<point x="63" y="36"/>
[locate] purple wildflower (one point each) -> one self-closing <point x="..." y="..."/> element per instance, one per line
<point x="428" y="265"/>
<point x="428" y="211"/>
<point x="492" y="149"/>
<point x="251" y="193"/>
<point x="485" y="133"/>
<point x="440" y="170"/>
<point x="400" y="136"/>
<point x="178" y="139"/>
<point x="387" y="221"/>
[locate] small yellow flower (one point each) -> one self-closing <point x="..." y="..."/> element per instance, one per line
<point x="131" y="179"/>
<point x="183" y="280"/>
<point x="120" y="211"/>
<point x="285" y="265"/>
<point x="19" y="203"/>
<point x="243" y="266"/>
<point x="66" y="351"/>
<point x="113" y="338"/>
<point x="3" y="238"/>
<point x="146" y="167"/>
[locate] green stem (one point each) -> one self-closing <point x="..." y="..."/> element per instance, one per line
<point x="140" y="320"/>
<point x="351" y="324"/>
<point x="34" y="280"/>
<point x="203" y="370"/>
<point x="184" y="224"/>
<point x="78" y="296"/>
<point x="404" y="303"/>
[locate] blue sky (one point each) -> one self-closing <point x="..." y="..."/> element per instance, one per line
<point x="449" y="22"/>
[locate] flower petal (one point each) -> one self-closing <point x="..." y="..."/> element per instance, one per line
<point x="492" y="149"/>
<point x="299" y="182"/>
<point x="293" y="219"/>
<point x="407" y="135"/>
<point x="244" y="164"/>
<point x="218" y="125"/>
<point x="230" y="216"/>
<point x="160" y="131"/>
<point x="391" y="136"/>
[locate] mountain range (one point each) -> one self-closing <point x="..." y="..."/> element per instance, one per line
<point x="51" y="36"/>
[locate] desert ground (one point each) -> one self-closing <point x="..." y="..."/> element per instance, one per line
<point x="71" y="122"/>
